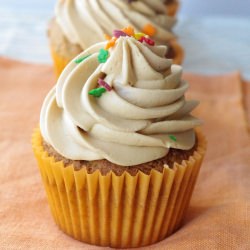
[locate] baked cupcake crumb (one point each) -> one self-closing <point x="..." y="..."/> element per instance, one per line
<point x="104" y="166"/>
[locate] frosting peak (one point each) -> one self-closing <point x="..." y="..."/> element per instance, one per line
<point x="84" y="22"/>
<point x="129" y="109"/>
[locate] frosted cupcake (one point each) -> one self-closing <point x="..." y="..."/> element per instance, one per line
<point x="79" y="24"/>
<point x="117" y="146"/>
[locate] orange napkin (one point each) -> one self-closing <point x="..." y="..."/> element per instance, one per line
<point x="246" y="100"/>
<point x="219" y="213"/>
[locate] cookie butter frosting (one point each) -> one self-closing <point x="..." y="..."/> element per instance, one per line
<point x="142" y="114"/>
<point x="84" y="22"/>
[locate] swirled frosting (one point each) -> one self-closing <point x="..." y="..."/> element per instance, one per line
<point x="84" y="22"/>
<point x="143" y="115"/>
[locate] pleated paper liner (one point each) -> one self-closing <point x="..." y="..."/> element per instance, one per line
<point x="178" y="52"/>
<point x="173" y="8"/>
<point x="59" y="61"/>
<point x="118" y="211"/>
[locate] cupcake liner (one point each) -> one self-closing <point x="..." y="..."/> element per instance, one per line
<point x="173" y="8"/>
<point x="179" y="52"/>
<point x="59" y="61"/>
<point x="118" y="211"/>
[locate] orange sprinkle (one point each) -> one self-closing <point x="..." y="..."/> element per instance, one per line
<point x="149" y="29"/>
<point x="129" y="31"/>
<point x="107" y="37"/>
<point x="111" y="43"/>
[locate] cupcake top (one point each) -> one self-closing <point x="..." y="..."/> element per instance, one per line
<point x="122" y="101"/>
<point x="84" y="22"/>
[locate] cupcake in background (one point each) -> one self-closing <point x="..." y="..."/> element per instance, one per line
<point x="79" y="24"/>
<point x="118" y="149"/>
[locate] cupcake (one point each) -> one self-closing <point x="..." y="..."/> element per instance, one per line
<point x="118" y="150"/>
<point x="78" y="24"/>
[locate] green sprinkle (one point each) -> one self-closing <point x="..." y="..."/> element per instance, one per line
<point x="103" y="56"/>
<point x="97" y="92"/>
<point x="172" y="137"/>
<point x="79" y="60"/>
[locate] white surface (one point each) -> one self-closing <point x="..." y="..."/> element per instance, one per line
<point x="23" y="27"/>
<point x="213" y="44"/>
<point x="226" y="8"/>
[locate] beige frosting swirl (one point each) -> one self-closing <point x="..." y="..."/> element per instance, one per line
<point x="84" y="22"/>
<point x="129" y="125"/>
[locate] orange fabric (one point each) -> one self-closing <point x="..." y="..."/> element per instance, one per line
<point x="219" y="214"/>
<point x="246" y="99"/>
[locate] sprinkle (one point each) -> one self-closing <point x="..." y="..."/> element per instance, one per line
<point x="111" y="43"/>
<point x="103" y="56"/>
<point x="97" y="92"/>
<point x="172" y="137"/>
<point x="138" y="36"/>
<point x="118" y="33"/>
<point x="147" y="40"/>
<point x="129" y="31"/>
<point x="81" y="59"/>
<point x="149" y="29"/>
<point x="104" y="84"/>
<point x="107" y="37"/>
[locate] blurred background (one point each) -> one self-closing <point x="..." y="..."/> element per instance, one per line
<point x="215" y="33"/>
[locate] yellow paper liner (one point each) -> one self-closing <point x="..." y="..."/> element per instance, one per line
<point x="179" y="52"/>
<point x="173" y="8"/>
<point x="118" y="211"/>
<point x="59" y="61"/>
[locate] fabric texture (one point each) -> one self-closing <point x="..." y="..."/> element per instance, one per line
<point x="219" y="213"/>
